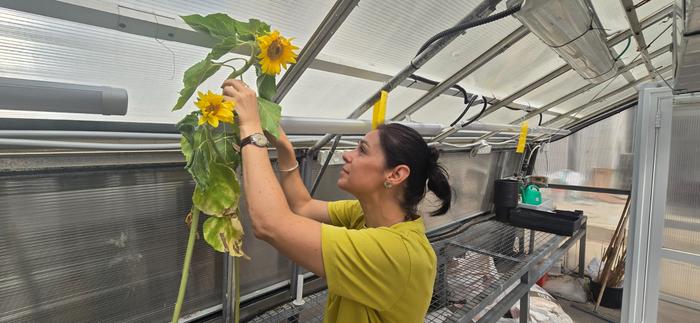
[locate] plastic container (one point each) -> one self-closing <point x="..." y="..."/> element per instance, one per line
<point x="563" y="223"/>
<point x="612" y="297"/>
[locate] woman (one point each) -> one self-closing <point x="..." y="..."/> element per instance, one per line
<point x="373" y="251"/>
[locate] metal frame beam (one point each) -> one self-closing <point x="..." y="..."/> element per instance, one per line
<point x="335" y="17"/>
<point x="636" y="29"/>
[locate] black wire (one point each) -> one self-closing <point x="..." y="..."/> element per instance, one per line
<point x="467" y="25"/>
<point x="540" y="123"/>
<point x="464" y="111"/>
<point x="465" y="95"/>
<point x="483" y="108"/>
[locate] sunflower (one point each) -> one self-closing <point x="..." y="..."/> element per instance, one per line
<point x="214" y="109"/>
<point x="275" y="51"/>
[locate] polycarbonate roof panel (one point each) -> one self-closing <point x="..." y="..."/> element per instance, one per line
<point x="650" y="7"/>
<point x="611" y="15"/>
<point x="596" y="92"/>
<point x="523" y="63"/>
<point x="559" y="87"/>
<point x="385" y="35"/>
<point x="381" y="36"/>
<point x="658" y="30"/>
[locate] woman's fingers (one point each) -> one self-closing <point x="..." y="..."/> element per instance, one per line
<point x="236" y="84"/>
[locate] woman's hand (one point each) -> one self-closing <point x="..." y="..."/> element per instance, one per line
<point x="246" y="105"/>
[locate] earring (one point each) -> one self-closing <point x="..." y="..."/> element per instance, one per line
<point x="387" y="185"/>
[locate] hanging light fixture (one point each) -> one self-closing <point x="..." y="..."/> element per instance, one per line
<point x="571" y="29"/>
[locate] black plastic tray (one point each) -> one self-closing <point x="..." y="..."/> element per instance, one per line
<point x="563" y="223"/>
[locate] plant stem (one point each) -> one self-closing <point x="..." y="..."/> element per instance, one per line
<point x="186" y="264"/>
<point x="237" y="299"/>
<point x="247" y="64"/>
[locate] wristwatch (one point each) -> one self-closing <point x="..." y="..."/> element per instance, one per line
<point x="257" y="139"/>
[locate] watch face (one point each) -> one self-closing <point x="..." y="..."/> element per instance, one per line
<point x="259" y="139"/>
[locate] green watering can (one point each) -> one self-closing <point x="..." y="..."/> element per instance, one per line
<point x="531" y="194"/>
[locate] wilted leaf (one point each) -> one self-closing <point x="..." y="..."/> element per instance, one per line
<point x="224" y="235"/>
<point x="222" y="191"/>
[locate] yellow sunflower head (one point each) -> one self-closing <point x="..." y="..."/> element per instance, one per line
<point x="214" y="109"/>
<point x="275" y="51"/>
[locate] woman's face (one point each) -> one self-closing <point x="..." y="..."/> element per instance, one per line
<point x="364" y="170"/>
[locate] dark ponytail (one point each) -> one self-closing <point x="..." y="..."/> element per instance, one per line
<point x="405" y="146"/>
<point x="438" y="184"/>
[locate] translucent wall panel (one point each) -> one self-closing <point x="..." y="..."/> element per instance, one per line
<point x="603" y="212"/>
<point x="100" y="246"/>
<point x="600" y="155"/>
<point x="679" y="294"/>
<point x="682" y="220"/>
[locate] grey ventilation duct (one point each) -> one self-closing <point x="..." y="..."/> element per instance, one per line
<point x="686" y="45"/>
<point x="571" y="28"/>
<point x="19" y="94"/>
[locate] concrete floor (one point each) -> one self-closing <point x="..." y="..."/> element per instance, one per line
<point x="668" y="313"/>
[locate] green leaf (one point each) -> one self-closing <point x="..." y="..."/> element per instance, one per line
<point x="224" y="234"/>
<point x="223" y="142"/>
<point x="201" y="157"/>
<point x="252" y="29"/>
<point x="194" y="76"/>
<point x="187" y="125"/>
<point x="270" y="114"/>
<point x="224" y="46"/>
<point x="266" y="86"/>
<point x="217" y="25"/>
<point x="222" y="191"/>
<point x="186" y="149"/>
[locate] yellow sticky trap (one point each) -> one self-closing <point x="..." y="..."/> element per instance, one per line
<point x="523" y="138"/>
<point x="379" y="110"/>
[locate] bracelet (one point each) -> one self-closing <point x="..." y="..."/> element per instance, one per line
<point x="291" y="169"/>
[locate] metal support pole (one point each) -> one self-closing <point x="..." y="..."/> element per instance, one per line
<point x="484" y="58"/>
<point x="335" y="17"/>
<point x="525" y="300"/>
<point x="485" y="8"/>
<point x="582" y="251"/>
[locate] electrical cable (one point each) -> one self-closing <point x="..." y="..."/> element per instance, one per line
<point x="540" y="122"/>
<point x="467" y="25"/>
<point x="464" y="111"/>
<point x="629" y="41"/>
<point x="465" y="95"/>
<point x="483" y="108"/>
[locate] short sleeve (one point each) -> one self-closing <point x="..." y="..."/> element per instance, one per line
<point x="346" y="213"/>
<point x="369" y="266"/>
